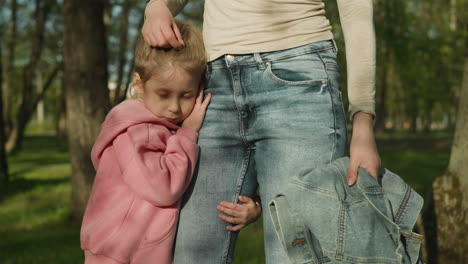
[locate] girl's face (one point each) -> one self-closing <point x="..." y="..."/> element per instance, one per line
<point x="170" y="95"/>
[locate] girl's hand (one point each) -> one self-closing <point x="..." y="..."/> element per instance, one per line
<point x="363" y="150"/>
<point x="241" y="215"/>
<point x="196" y="117"/>
<point x="160" y="29"/>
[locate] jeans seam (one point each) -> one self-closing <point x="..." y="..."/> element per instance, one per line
<point x="240" y="181"/>
<point x="340" y="236"/>
<point x="403" y="205"/>
<point x="234" y="94"/>
<point x="333" y="108"/>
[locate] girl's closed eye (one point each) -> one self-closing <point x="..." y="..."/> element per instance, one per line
<point x="189" y="95"/>
<point x="162" y="94"/>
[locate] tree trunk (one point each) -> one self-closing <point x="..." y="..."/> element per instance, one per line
<point x="122" y="58"/>
<point x="3" y="162"/>
<point x="9" y="67"/>
<point x="132" y="63"/>
<point x="87" y="96"/>
<point x="28" y="100"/>
<point x="26" y="110"/>
<point x="451" y="190"/>
<point x="61" y="115"/>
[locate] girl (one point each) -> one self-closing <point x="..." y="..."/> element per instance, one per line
<point x="144" y="160"/>
<point x="274" y="78"/>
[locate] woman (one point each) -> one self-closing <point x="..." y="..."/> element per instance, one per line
<point x="276" y="107"/>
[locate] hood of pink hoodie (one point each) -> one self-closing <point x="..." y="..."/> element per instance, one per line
<point x="122" y="116"/>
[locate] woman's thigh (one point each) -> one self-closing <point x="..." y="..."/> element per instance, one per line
<point x="299" y="124"/>
<point x="224" y="172"/>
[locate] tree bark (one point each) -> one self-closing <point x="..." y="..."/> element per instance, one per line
<point x="87" y="96"/>
<point x="28" y="99"/>
<point x="122" y="55"/>
<point x="3" y="162"/>
<point x="132" y="62"/>
<point x="61" y="115"/>
<point x="9" y="67"/>
<point x="451" y="190"/>
<point x="26" y="110"/>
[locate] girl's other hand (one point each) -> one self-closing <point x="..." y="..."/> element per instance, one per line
<point x="363" y="150"/>
<point x="240" y="215"/>
<point x="160" y="29"/>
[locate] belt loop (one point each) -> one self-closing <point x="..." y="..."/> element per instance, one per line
<point x="226" y="60"/>
<point x="336" y="46"/>
<point x="259" y="61"/>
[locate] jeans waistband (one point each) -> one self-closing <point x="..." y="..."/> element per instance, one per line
<point x="262" y="57"/>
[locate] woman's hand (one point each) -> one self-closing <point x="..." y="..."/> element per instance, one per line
<point x="363" y="150"/>
<point x="160" y="29"/>
<point x="240" y="215"/>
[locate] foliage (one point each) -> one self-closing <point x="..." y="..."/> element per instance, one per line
<point x="420" y="51"/>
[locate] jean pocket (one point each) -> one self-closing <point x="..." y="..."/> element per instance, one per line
<point x="412" y="242"/>
<point x="329" y="59"/>
<point x="304" y="69"/>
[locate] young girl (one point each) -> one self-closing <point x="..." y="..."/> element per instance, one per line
<point x="144" y="160"/>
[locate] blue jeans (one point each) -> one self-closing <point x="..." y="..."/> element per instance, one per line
<point x="271" y="115"/>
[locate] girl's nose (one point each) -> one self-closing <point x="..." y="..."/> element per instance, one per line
<point x="174" y="106"/>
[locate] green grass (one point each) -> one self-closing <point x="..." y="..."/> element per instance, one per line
<point x="35" y="224"/>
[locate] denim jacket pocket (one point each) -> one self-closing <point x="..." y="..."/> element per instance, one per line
<point x="297" y="240"/>
<point x="413" y="245"/>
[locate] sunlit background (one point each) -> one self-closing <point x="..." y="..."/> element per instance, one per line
<point x="420" y="58"/>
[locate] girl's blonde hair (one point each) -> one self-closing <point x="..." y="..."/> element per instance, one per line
<point x="191" y="57"/>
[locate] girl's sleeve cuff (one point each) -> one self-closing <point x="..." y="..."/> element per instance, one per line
<point x="188" y="133"/>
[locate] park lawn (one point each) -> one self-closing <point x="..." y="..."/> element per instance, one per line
<point x="35" y="224"/>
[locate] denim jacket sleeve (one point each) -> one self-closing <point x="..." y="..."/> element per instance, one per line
<point x="320" y="219"/>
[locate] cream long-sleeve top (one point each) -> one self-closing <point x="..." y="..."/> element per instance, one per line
<point x="248" y="26"/>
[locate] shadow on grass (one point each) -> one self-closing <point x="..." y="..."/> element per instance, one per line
<point x="41" y="150"/>
<point x="40" y="244"/>
<point x="24" y="185"/>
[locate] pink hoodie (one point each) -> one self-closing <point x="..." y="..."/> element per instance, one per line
<point x="143" y="165"/>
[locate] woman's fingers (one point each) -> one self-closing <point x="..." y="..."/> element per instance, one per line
<point x="352" y="173"/>
<point x="170" y="37"/>
<point x="149" y="38"/>
<point x="372" y="168"/>
<point x="177" y="33"/>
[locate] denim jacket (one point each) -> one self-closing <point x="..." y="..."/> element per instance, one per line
<point x="320" y="219"/>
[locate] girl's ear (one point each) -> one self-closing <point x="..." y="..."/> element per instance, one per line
<point x="138" y="84"/>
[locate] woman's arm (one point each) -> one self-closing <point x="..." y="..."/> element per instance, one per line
<point x="160" y="29"/>
<point x="356" y="18"/>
